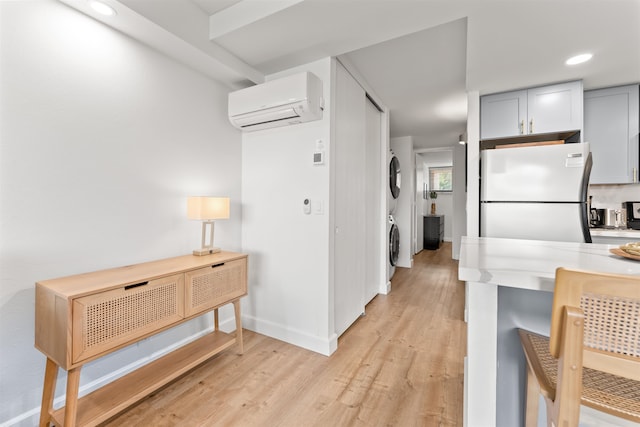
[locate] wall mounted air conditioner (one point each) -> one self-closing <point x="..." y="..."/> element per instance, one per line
<point x="282" y="102"/>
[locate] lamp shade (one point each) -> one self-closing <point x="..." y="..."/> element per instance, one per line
<point x="205" y="208"/>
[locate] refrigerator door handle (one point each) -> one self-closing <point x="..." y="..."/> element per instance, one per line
<point x="586" y="175"/>
<point x="584" y="218"/>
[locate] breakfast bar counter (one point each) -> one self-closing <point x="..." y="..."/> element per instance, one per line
<point x="509" y="285"/>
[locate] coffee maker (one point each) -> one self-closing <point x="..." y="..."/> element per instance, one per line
<point x="633" y="215"/>
<point x="596" y="217"/>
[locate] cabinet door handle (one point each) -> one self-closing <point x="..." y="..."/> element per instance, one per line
<point x="137" y="285"/>
<point x="217" y="265"/>
<point x="531" y="126"/>
<point x="635" y="174"/>
<point x="521" y="127"/>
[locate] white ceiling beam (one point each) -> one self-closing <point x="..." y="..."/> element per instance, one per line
<point x="214" y="61"/>
<point x="244" y="13"/>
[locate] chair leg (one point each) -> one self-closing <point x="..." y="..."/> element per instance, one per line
<point x="533" y="397"/>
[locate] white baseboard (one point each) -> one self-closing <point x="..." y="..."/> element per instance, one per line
<point x="324" y="346"/>
<point x="385" y="288"/>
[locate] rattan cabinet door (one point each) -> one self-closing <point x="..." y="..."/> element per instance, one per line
<point x="111" y="319"/>
<point x="209" y="287"/>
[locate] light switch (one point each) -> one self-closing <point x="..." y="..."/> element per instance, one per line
<point x="318" y="208"/>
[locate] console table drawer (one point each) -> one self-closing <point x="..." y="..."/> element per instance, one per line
<point x="106" y="320"/>
<point x="209" y="287"/>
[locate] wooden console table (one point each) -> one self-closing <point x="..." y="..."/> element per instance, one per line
<point x="81" y="318"/>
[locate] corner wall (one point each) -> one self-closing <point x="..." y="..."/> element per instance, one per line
<point x="101" y="141"/>
<point x="473" y="164"/>
<point x="289" y="294"/>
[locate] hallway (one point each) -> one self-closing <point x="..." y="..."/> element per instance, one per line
<point x="399" y="365"/>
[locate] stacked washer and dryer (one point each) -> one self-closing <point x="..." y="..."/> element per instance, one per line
<point x="392" y="197"/>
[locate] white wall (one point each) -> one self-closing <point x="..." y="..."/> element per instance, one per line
<point x="289" y="292"/>
<point x="403" y="149"/>
<point x="101" y="141"/>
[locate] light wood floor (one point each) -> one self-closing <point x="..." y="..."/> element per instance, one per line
<point x="400" y="365"/>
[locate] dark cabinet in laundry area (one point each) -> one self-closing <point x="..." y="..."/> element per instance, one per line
<point x="433" y="231"/>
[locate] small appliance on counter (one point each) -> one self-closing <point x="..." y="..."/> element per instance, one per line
<point x="596" y="217"/>
<point x="633" y="214"/>
<point x="615" y="218"/>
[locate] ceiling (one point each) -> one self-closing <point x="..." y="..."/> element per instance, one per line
<point x="419" y="57"/>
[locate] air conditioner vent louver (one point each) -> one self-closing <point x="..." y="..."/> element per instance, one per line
<point x="270" y="121"/>
<point x="286" y="101"/>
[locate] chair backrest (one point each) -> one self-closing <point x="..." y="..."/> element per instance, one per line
<point x="611" y="307"/>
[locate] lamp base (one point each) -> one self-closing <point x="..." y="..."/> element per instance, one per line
<point x="206" y="251"/>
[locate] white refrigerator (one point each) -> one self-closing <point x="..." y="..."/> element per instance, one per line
<point x="536" y="193"/>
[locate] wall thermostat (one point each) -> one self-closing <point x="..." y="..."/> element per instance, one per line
<point x="318" y="157"/>
<point x="306" y="206"/>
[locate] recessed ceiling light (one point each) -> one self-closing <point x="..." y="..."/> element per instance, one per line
<point x="579" y="59"/>
<point x="102" y="8"/>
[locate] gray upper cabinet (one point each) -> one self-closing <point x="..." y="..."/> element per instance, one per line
<point x="544" y="109"/>
<point x="611" y="119"/>
<point x="503" y="114"/>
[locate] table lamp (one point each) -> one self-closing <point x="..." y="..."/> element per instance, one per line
<point x="207" y="209"/>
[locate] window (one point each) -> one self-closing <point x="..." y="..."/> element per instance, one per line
<point x="440" y="179"/>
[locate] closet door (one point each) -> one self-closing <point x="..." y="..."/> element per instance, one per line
<point x="374" y="192"/>
<point x="349" y="214"/>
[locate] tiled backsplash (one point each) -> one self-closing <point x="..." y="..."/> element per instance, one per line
<point x="612" y="196"/>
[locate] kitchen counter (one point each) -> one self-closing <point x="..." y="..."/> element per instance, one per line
<point x="509" y="285"/>
<point x="531" y="264"/>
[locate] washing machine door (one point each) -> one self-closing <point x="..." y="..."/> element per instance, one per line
<point x="394" y="244"/>
<point x="394" y="176"/>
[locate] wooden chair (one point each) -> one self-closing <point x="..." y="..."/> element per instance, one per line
<point x="593" y="354"/>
